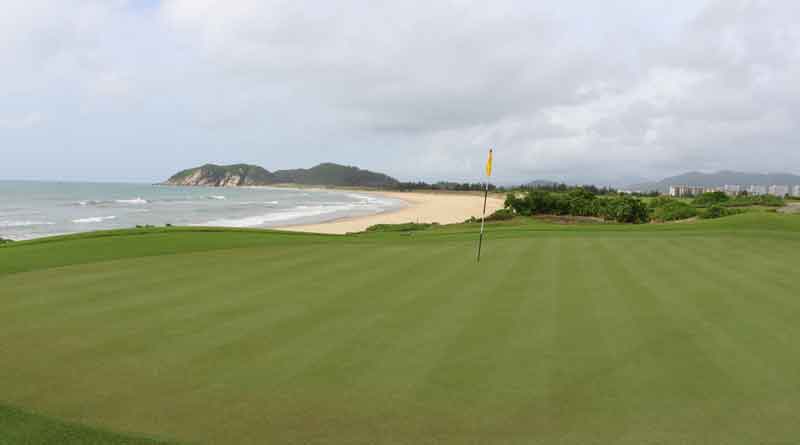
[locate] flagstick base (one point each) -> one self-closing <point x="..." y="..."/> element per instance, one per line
<point x="483" y="220"/>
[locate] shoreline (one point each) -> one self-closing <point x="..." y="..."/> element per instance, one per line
<point x="421" y="207"/>
<point x="418" y="206"/>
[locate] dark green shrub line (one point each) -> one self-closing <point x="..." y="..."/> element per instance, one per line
<point x="579" y="202"/>
<point x="499" y="215"/>
<point x="629" y="209"/>
<point x="664" y="209"/>
<point x="719" y="211"/>
<point x="406" y="227"/>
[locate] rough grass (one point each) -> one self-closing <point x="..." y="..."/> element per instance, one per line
<point x="563" y="334"/>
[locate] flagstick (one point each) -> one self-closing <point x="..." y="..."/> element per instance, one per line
<point x="483" y="219"/>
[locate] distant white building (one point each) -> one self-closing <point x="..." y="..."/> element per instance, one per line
<point x="779" y="190"/>
<point x="732" y="190"/>
<point x="796" y="191"/>
<point x="685" y="190"/>
<point x="757" y="190"/>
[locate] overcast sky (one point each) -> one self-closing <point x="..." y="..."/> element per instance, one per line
<point x="583" y="91"/>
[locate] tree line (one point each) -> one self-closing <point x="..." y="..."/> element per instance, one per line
<point x="444" y="185"/>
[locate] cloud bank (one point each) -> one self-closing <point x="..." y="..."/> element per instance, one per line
<point x="606" y="92"/>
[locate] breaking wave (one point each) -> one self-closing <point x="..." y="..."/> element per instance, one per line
<point x="132" y="201"/>
<point x="92" y="202"/>
<point x="25" y="223"/>
<point x="94" y="219"/>
<point x="288" y="215"/>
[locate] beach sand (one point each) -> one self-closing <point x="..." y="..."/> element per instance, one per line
<point x="422" y="207"/>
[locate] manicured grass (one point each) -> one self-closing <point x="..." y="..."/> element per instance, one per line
<point x="20" y="427"/>
<point x="676" y="333"/>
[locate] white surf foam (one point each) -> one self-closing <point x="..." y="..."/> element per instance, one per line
<point x="217" y="197"/>
<point x="136" y="200"/>
<point x="256" y="203"/>
<point x="29" y="236"/>
<point x="288" y="215"/>
<point x="94" y="219"/>
<point x="25" y="223"/>
<point x="369" y="200"/>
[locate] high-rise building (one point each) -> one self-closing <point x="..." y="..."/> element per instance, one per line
<point x="779" y="190"/>
<point x="732" y="190"/>
<point x="757" y="190"/>
<point x="686" y="190"/>
<point x="796" y="191"/>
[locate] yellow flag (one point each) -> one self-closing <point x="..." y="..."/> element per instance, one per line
<point x="489" y="164"/>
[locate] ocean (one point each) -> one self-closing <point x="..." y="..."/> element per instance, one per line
<point x="30" y="209"/>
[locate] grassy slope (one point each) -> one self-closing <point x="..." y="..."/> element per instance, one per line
<point x="680" y="333"/>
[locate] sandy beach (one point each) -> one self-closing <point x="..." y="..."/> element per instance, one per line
<point x="422" y="207"/>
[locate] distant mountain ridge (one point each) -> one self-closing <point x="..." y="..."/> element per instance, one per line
<point x="725" y="177"/>
<point x="237" y="175"/>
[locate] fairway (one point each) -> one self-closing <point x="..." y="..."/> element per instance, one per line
<point x="674" y="333"/>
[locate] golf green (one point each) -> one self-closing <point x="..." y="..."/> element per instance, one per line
<point x="675" y="333"/>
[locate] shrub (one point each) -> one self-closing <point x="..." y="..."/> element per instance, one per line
<point x="578" y="202"/>
<point x="762" y="200"/>
<point x="625" y="209"/>
<point x="581" y="202"/>
<point x="718" y="211"/>
<point x="500" y="215"/>
<point x="672" y="210"/>
<point x="711" y="198"/>
<point x="517" y="204"/>
<point x="540" y="202"/>
<point x="660" y="201"/>
<point x="405" y="227"/>
<point x="5" y="241"/>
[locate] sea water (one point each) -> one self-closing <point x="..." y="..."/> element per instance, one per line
<point x="30" y="209"/>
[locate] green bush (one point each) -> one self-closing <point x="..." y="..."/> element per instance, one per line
<point x="626" y="209"/>
<point x="501" y="215"/>
<point x="760" y="200"/>
<point x="660" y="201"/>
<point x="578" y="202"/>
<point x="718" y="211"/>
<point x="672" y="210"/>
<point x="5" y="241"/>
<point x="711" y="198"/>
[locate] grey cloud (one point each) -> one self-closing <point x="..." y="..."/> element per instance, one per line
<point x="569" y="90"/>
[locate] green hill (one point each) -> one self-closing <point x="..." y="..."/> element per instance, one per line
<point x="327" y="174"/>
<point x="334" y="175"/>
<point x="609" y="333"/>
<point x="222" y="175"/>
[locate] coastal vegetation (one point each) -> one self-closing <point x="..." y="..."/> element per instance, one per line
<point x="4" y="241"/>
<point x="211" y="335"/>
<point x="578" y="202"/>
<point x="623" y="208"/>
<point x="718" y="211"/>
<point x="404" y="227"/>
<point x="665" y="208"/>
<point x="444" y="186"/>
